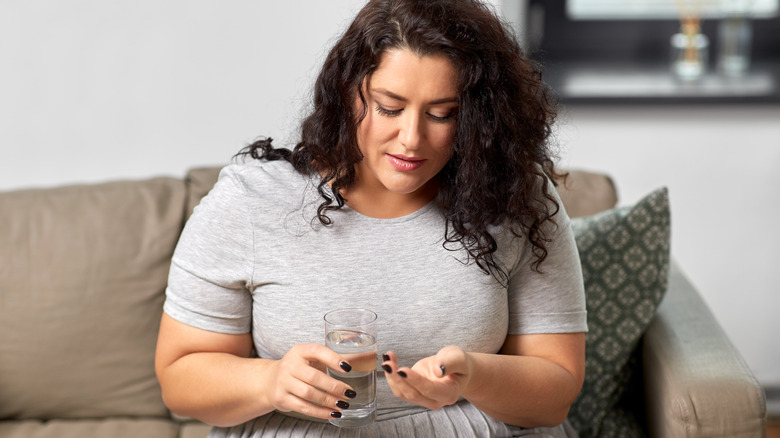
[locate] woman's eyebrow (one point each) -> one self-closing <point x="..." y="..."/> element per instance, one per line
<point x="392" y="95"/>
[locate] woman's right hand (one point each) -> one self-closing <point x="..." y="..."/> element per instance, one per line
<point x="214" y="378"/>
<point x="298" y="382"/>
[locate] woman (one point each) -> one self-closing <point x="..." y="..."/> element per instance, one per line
<point x="421" y="189"/>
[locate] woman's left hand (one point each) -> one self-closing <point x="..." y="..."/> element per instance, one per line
<point x="434" y="381"/>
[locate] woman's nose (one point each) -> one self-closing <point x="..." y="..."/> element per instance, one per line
<point x="410" y="133"/>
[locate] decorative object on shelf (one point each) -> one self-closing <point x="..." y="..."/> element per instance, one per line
<point x="735" y="34"/>
<point x="689" y="47"/>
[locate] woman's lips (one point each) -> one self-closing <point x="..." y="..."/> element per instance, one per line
<point x="404" y="163"/>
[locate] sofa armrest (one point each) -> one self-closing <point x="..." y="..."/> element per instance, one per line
<point x="696" y="382"/>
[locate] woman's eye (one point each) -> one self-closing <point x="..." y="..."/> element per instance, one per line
<point x="438" y="119"/>
<point x="441" y="119"/>
<point x="387" y="112"/>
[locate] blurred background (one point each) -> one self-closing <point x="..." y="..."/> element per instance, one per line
<point x="683" y="94"/>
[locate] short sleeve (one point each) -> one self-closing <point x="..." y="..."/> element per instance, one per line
<point x="211" y="270"/>
<point x="551" y="300"/>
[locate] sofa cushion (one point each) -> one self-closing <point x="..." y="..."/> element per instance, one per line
<point x="82" y="283"/>
<point x="194" y="430"/>
<point x="625" y="264"/>
<point x="114" y="428"/>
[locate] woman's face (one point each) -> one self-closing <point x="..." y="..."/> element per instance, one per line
<point x="407" y="135"/>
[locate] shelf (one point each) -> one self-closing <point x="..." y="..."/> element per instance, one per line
<point x="589" y="82"/>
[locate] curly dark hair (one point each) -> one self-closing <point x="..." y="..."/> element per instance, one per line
<point x="502" y="165"/>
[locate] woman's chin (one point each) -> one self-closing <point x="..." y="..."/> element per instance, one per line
<point x="409" y="185"/>
<point x="405" y="188"/>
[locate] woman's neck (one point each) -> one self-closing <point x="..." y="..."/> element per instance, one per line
<point x="378" y="202"/>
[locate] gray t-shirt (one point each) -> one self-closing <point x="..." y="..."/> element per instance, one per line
<point x="254" y="258"/>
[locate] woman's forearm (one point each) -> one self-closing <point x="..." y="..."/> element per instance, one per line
<point x="521" y="390"/>
<point x="217" y="388"/>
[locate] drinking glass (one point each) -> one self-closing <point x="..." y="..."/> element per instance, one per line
<point x="352" y="334"/>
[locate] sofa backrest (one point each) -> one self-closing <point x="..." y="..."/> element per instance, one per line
<point x="199" y="183"/>
<point x="83" y="271"/>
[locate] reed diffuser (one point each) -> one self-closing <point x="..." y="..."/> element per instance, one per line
<point x="689" y="46"/>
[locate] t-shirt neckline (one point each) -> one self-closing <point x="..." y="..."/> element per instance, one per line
<point x="370" y="219"/>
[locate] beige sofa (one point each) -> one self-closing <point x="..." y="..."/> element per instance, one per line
<point x="82" y="278"/>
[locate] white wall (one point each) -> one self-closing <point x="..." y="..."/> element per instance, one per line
<point x="93" y="90"/>
<point x="721" y="165"/>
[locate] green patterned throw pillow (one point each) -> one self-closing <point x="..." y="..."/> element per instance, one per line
<point x="625" y="265"/>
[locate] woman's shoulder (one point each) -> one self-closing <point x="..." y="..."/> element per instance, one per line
<point x="262" y="176"/>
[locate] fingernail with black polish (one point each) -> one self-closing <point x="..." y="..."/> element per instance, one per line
<point x="350" y="393"/>
<point x="342" y="404"/>
<point x="385" y="357"/>
<point x="387" y="369"/>
<point x="335" y="414"/>
<point x="443" y="370"/>
<point x="345" y="366"/>
<point x="402" y="374"/>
